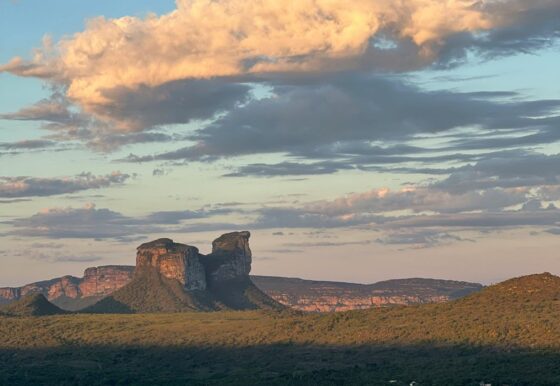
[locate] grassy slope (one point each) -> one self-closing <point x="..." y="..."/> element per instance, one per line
<point x="507" y="334"/>
<point x="31" y="305"/>
<point x="150" y="292"/>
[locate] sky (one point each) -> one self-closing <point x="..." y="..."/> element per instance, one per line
<point x="358" y="140"/>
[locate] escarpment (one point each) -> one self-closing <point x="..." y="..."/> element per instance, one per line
<point x="171" y="276"/>
<point x="174" y="277"/>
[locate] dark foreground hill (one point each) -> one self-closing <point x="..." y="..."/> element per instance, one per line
<point x="506" y="334"/>
<point x="31" y="305"/>
<point x="173" y="277"/>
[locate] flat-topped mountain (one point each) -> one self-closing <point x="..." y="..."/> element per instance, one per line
<point x="327" y="296"/>
<point x="73" y="293"/>
<point x="174" y="277"/>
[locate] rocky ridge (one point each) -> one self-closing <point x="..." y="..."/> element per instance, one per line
<point x="69" y="292"/>
<point x="228" y="266"/>
<point x="325" y="296"/>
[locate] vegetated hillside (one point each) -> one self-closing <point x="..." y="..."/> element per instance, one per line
<point x="150" y="292"/>
<point x="311" y="295"/>
<point x="503" y="335"/>
<point x="31" y="305"/>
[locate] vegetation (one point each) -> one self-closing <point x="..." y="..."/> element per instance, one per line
<point x="507" y="334"/>
<point x="151" y="292"/>
<point x="31" y="305"/>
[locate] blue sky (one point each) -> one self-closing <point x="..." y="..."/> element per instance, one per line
<point x="435" y="155"/>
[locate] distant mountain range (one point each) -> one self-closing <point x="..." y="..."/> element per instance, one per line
<point x="327" y="296"/>
<point x="172" y="277"/>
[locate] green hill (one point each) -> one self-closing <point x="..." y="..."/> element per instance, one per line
<point x="150" y="292"/>
<point x="31" y="305"/>
<point x="506" y="334"/>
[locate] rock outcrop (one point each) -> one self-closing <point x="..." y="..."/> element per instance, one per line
<point x="324" y="296"/>
<point x="71" y="292"/>
<point x="174" y="277"/>
<point x="173" y="261"/>
<point x="230" y="257"/>
<point x="189" y="280"/>
<point x="104" y="280"/>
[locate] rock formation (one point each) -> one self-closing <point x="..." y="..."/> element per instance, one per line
<point x="173" y="261"/>
<point x="72" y="293"/>
<point x="174" y="277"/>
<point x="324" y="296"/>
<point x="102" y="281"/>
<point x="179" y="270"/>
<point x="230" y="257"/>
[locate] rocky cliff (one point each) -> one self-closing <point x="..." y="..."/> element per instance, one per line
<point x="228" y="266"/>
<point x="173" y="261"/>
<point x="324" y="296"/>
<point x="230" y="258"/>
<point x="174" y="277"/>
<point x="71" y="292"/>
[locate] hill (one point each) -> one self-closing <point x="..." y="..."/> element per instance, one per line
<point x="31" y="305"/>
<point x="328" y="296"/>
<point x="506" y="334"/>
<point x="173" y="277"/>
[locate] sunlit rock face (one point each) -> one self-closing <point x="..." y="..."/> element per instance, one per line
<point x="67" y="286"/>
<point x="102" y="281"/>
<point x="230" y="258"/>
<point x="174" y="261"/>
<point x="97" y="281"/>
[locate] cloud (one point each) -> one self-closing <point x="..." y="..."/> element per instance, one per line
<point x="176" y="217"/>
<point x="419" y="199"/>
<point x="288" y="169"/>
<point x="484" y="220"/>
<point x="86" y="222"/>
<point x="90" y="222"/>
<point x="30" y="144"/>
<point x="32" y="186"/>
<point x="341" y="116"/>
<point x="195" y="61"/>
<point x="14" y="200"/>
<point x="202" y="39"/>
<point x="507" y="170"/>
<point x="419" y="239"/>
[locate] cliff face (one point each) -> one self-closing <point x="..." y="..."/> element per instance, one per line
<point x="228" y="267"/>
<point x="97" y="282"/>
<point x="174" y="277"/>
<point x="230" y="258"/>
<point x="102" y="281"/>
<point x="173" y="261"/>
<point x="323" y="296"/>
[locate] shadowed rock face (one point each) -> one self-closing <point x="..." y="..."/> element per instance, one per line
<point x="173" y="261"/>
<point x="230" y="258"/>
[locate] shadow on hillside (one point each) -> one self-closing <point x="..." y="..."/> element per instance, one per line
<point x="278" y="365"/>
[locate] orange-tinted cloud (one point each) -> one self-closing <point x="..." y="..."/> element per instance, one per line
<point x="202" y="39"/>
